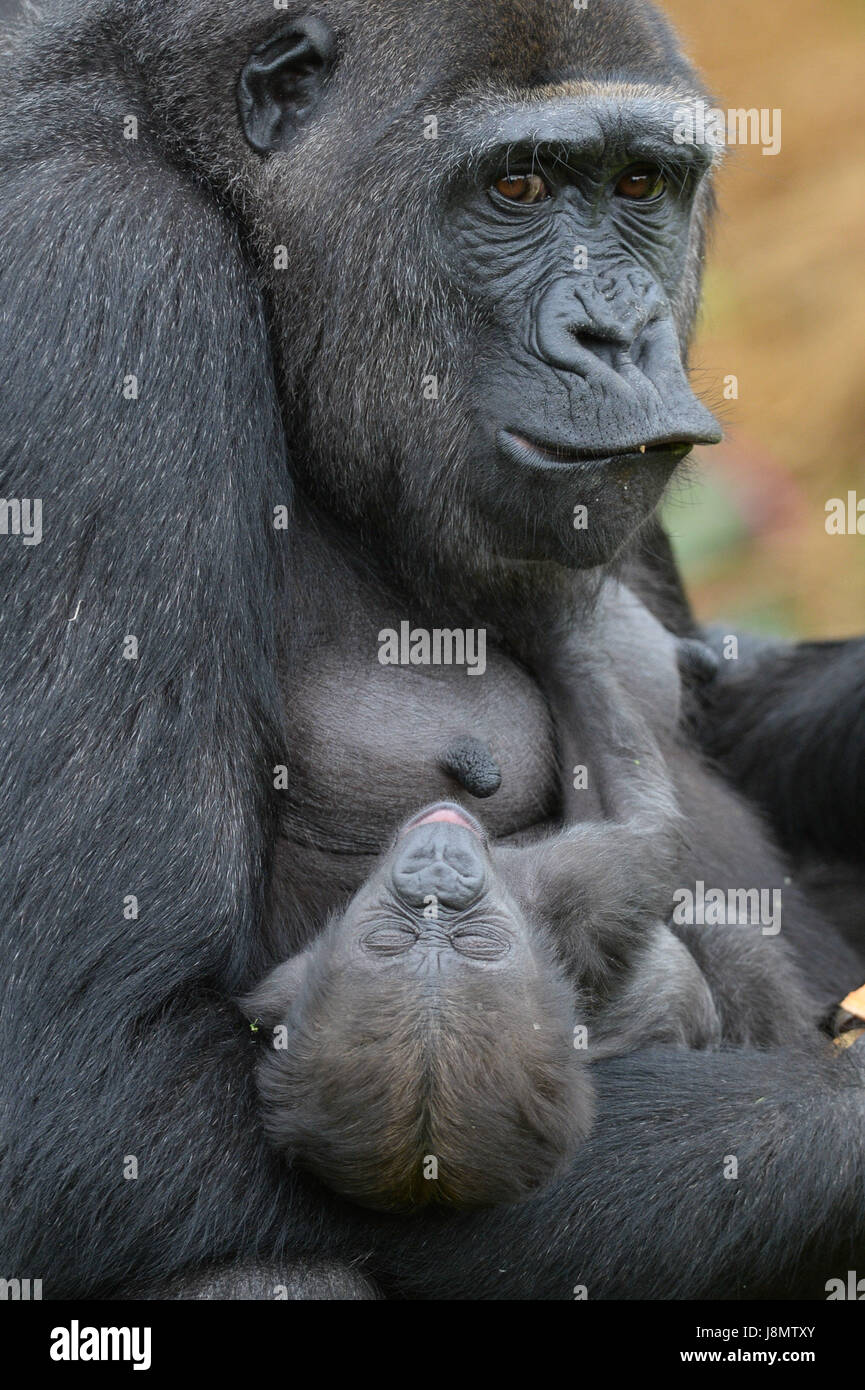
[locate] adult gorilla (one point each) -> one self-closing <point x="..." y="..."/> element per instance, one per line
<point x="170" y="367"/>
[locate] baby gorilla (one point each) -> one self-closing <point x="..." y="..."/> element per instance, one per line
<point x="428" y="1046"/>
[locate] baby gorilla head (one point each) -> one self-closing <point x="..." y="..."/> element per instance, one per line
<point x="422" y="1047"/>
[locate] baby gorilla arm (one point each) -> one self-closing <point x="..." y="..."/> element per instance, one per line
<point x="600" y="891"/>
<point x="603" y="887"/>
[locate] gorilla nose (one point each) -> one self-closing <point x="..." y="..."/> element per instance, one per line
<point x="442" y="860"/>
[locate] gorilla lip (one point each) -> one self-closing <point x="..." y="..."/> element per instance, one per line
<point x="447" y="811"/>
<point x="521" y="449"/>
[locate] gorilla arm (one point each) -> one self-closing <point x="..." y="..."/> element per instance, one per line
<point x="645" y="1210"/>
<point x="668" y="1120"/>
<point x="787" y="723"/>
<point x="156" y="512"/>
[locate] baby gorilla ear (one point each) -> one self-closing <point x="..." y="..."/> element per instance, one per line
<point x="269" y="1002"/>
<point x="282" y="84"/>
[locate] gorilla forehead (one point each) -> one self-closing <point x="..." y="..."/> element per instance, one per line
<point x="396" y="63"/>
<point x="528" y="41"/>
<point x="429" y="46"/>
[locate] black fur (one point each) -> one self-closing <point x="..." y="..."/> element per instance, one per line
<point x="154" y="776"/>
<point x="800" y="755"/>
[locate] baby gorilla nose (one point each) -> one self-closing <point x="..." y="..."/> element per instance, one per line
<point x="440" y="858"/>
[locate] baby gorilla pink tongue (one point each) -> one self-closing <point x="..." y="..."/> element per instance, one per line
<point x="440" y="857"/>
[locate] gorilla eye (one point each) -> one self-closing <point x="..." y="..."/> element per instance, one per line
<point x="389" y="940"/>
<point x="481" y="943"/>
<point x="522" y="188"/>
<point x="641" y="184"/>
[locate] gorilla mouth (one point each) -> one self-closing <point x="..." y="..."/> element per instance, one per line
<point x="521" y="449"/>
<point x="448" y="811"/>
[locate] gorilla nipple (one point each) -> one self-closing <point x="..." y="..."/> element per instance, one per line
<point x="470" y="762"/>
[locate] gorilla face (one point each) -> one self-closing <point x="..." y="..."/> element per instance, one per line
<point x="435" y="908"/>
<point x="501" y="299"/>
<point x="423" y="1045"/>
<point x="577" y="244"/>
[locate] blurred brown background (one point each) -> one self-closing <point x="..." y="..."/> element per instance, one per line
<point x="785" y="312"/>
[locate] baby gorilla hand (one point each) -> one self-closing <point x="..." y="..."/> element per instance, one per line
<point x="422" y="1047"/>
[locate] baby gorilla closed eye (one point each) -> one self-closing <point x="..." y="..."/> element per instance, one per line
<point x="423" y="1046"/>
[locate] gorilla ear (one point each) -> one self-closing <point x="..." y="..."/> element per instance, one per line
<point x="273" y="996"/>
<point x="282" y="83"/>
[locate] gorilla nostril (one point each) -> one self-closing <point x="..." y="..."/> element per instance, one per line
<point x="442" y="861"/>
<point x="608" y="349"/>
<point x="450" y="887"/>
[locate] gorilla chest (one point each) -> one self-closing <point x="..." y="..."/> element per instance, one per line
<point x="370" y="744"/>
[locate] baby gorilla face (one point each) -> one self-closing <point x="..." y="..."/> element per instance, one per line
<point x="435" y="899"/>
<point x="423" y="1046"/>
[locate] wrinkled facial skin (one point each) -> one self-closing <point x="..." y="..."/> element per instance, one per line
<point x="581" y="395"/>
<point x="423" y="1045"/>
<point x="554" y="366"/>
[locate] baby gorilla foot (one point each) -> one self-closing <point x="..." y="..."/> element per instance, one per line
<point x="422" y="1047"/>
